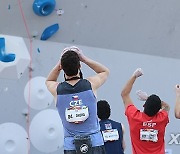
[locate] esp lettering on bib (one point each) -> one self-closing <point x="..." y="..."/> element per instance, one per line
<point x="77" y="114"/>
<point x="110" y="135"/>
<point x="149" y="135"/>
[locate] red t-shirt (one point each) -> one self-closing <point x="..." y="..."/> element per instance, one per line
<point x="147" y="133"/>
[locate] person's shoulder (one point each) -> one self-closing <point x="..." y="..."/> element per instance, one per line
<point x="162" y="114"/>
<point x="112" y="121"/>
<point x="84" y="80"/>
<point x="115" y="123"/>
<point x="162" y="117"/>
<point x="133" y="113"/>
<point x="60" y="84"/>
<point x="131" y="107"/>
<point x="87" y="80"/>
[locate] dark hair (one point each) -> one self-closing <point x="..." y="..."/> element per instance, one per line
<point x="152" y="105"/>
<point x="70" y="63"/>
<point x="103" y="110"/>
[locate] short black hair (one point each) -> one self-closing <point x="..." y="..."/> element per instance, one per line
<point x="152" y="105"/>
<point x="103" y="110"/>
<point x="70" y="63"/>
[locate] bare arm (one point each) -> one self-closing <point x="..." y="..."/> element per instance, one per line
<point x="101" y="70"/>
<point x="177" y="105"/>
<point x="123" y="141"/>
<point x="51" y="81"/>
<point x="125" y="93"/>
<point x="102" y="73"/>
<point x="165" y="106"/>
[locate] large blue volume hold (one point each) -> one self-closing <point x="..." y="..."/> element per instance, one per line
<point x="4" y="57"/>
<point x="43" y="7"/>
<point x="49" y="31"/>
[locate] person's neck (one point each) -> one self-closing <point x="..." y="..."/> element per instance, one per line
<point x="74" y="77"/>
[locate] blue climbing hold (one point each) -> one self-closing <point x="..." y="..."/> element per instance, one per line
<point x="49" y="31"/>
<point x="5" y="57"/>
<point x="43" y="7"/>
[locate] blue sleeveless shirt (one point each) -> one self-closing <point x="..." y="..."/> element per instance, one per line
<point x="113" y="147"/>
<point x="65" y="95"/>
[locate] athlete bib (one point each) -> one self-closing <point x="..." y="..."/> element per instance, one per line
<point x="77" y="114"/>
<point x="110" y="135"/>
<point x="149" y="135"/>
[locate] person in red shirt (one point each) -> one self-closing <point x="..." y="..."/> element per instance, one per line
<point x="147" y="128"/>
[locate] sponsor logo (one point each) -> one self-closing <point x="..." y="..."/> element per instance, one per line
<point x="175" y="139"/>
<point x="84" y="148"/>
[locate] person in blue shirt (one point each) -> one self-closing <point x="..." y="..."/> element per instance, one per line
<point x="76" y="101"/>
<point x="111" y="130"/>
